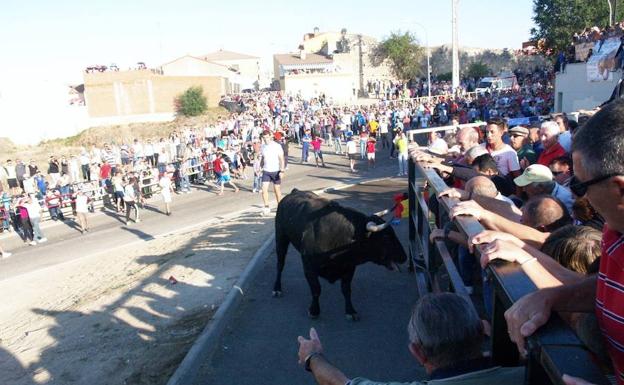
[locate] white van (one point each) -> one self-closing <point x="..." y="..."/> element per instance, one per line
<point x="504" y="81"/>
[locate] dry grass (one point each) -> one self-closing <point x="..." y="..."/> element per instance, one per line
<point x="98" y="135"/>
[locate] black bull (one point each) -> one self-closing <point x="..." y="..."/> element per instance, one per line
<point x="332" y="240"/>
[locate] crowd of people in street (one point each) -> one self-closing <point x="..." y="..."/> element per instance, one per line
<point x="123" y="175"/>
<point x="549" y="201"/>
<point x="547" y="198"/>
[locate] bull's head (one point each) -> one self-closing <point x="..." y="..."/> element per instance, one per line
<point x="384" y="246"/>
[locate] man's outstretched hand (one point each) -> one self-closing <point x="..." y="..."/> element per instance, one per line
<point x="307" y="347"/>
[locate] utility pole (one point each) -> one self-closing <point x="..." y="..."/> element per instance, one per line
<point x="612" y="11"/>
<point x="360" y="65"/>
<point x="455" y="46"/>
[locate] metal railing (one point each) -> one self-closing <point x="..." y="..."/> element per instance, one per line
<point x="553" y="350"/>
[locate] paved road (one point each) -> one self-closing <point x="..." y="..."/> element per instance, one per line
<point x="201" y="206"/>
<point x="260" y="345"/>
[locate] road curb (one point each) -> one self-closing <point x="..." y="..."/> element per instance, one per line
<point x="208" y="341"/>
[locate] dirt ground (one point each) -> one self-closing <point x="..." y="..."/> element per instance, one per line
<point x="98" y="135"/>
<point x="118" y="318"/>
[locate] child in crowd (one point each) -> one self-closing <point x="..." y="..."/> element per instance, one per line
<point x="316" y="143"/>
<point x="225" y="176"/>
<point x="370" y="151"/>
<point x="257" y="169"/>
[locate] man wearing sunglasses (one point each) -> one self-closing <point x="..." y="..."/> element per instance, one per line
<point x="598" y="158"/>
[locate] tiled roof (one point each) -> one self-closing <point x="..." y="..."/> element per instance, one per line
<point x="294" y="59"/>
<point x="226" y="55"/>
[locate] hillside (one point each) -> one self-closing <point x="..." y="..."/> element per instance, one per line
<point x="98" y="135"/>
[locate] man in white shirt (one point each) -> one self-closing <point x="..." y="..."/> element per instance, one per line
<point x="505" y="156"/>
<point x="12" y="177"/>
<point x="82" y="208"/>
<point x="272" y="169"/>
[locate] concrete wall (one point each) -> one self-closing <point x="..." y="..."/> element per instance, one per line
<point x="573" y="92"/>
<point x="339" y="87"/>
<point x="143" y="92"/>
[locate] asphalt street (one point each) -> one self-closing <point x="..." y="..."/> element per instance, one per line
<point x="202" y="206"/>
<point x="260" y="345"/>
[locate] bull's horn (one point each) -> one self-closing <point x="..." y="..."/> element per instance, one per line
<point x="373" y="227"/>
<point x="382" y="213"/>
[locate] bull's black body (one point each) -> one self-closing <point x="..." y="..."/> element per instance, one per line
<point x="332" y="240"/>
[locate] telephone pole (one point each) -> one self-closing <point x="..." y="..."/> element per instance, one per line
<point x="455" y="46"/>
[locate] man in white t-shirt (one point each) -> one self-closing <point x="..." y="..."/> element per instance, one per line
<point x="352" y="152"/>
<point x="82" y="208"/>
<point x="505" y="156"/>
<point x="272" y="169"/>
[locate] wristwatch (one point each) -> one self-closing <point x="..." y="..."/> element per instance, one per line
<point x="309" y="358"/>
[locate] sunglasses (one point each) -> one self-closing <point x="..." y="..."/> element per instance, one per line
<point x="580" y="188"/>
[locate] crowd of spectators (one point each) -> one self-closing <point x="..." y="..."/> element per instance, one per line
<point x="531" y="187"/>
<point x="583" y="45"/>
<point x="230" y="148"/>
<point x="595" y="34"/>
<point x="549" y="196"/>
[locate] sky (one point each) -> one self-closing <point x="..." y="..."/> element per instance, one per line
<point x="48" y="43"/>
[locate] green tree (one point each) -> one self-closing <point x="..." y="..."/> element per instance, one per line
<point x="192" y="102"/>
<point x="477" y="70"/>
<point x="445" y="77"/>
<point x="556" y="21"/>
<point x="404" y="54"/>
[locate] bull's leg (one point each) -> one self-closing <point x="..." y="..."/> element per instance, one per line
<point x="315" y="288"/>
<point x="281" y="248"/>
<point x="345" y="286"/>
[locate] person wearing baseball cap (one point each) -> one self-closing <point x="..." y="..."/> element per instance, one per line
<point x="537" y="179"/>
<point x="519" y="137"/>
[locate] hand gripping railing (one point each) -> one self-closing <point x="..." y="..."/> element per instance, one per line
<point x="554" y="349"/>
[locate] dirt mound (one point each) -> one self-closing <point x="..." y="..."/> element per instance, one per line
<point x="97" y="135"/>
<point x="6" y="146"/>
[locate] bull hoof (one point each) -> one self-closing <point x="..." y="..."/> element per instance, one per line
<point x="352" y="317"/>
<point x="277" y="294"/>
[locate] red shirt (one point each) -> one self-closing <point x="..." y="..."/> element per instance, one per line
<point x="105" y="171"/>
<point x="551" y="153"/>
<point x="217" y="164"/>
<point x="610" y="297"/>
<point x="370" y="146"/>
<point x="316" y="144"/>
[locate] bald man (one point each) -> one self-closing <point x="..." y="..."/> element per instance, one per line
<point x="545" y="213"/>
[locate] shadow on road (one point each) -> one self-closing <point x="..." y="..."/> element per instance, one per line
<point x="143" y="334"/>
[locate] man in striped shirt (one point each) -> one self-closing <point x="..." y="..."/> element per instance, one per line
<point x="598" y="156"/>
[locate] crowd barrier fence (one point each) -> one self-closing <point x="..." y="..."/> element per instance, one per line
<point x="553" y="350"/>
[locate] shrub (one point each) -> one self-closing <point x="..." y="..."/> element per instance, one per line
<point x="192" y="102"/>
